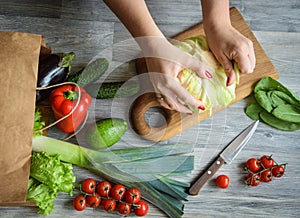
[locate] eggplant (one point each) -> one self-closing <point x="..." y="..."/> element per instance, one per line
<point x="52" y="70"/>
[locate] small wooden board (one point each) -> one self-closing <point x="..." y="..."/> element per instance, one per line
<point x="177" y="122"/>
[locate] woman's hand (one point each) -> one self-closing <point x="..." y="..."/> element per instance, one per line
<point x="228" y="44"/>
<point x="164" y="63"/>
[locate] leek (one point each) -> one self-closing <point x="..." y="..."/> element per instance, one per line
<point x="115" y="166"/>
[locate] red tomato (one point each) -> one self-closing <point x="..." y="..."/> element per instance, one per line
<point x="124" y="208"/>
<point x="252" y="179"/>
<point x="117" y="192"/>
<point x="88" y="186"/>
<point x="266" y="175"/>
<point x="141" y="208"/>
<point x="132" y="196"/>
<point x="253" y="165"/>
<point x="79" y="203"/>
<point x="267" y="161"/>
<point x="109" y="205"/>
<point x="103" y="188"/>
<point x="222" y="181"/>
<point x="278" y="171"/>
<point x="93" y="200"/>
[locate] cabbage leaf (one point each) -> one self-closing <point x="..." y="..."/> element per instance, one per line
<point x="212" y="92"/>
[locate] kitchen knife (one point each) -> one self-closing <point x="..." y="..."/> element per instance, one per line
<point x="226" y="156"/>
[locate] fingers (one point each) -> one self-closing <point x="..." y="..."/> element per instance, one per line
<point x="228" y="67"/>
<point x="245" y="58"/>
<point x="175" y="97"/>
<point x="199" y="67"/>
<point x="245" y="63"/>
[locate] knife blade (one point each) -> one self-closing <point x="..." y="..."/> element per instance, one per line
<point x="226" y="156"/>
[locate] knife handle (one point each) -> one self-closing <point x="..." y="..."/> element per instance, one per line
<point x="200" y="182"/>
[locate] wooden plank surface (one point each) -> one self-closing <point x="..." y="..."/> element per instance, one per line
<point x="177" y="122"/>
<point x="276" y="26"/>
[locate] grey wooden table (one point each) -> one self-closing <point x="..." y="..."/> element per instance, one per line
<point x="89" y="28"/>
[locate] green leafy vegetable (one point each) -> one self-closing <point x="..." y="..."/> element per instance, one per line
<point x="287" y="112"/>
<point x="48" y="177"/>
<point x="52" y="172"/>
<point x="212" y="92"/>
<point x="38" y="124"/>
<point x="42" y="195"/>
<point x="275" y="105"/>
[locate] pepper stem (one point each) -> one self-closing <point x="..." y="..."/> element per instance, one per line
<point x="71" y="95"/>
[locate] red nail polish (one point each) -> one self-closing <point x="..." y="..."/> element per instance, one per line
<point x="201" y="107"/>
<point x="208" y="74"/>
<point x="227" y="82"/>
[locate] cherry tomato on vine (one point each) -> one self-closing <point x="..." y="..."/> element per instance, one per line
<point x="103" y="188"/>
<point x="278" y="171"/>
<point x="93" y="200"/>
<point x="253" y="165"/>
<point x="141" y="208"/>
<point x="117" y="192"/>
<point x="267" y="161"/>
<point x="88" y="186"/>
<point x="253" y="179"/>
<point x="124" y="208"/>
<point x="222" y="181"/>
<point x="132" y="196"/>
<point x="79" y="203"/>
<point x="266" y="175"/>
<point x="109" y="205"/>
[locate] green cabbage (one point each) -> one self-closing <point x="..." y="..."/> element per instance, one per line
<point x="212" y="92"/>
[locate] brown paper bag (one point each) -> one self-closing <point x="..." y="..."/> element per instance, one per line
<point x="19" y="56"/>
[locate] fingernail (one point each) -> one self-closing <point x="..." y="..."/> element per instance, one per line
<point x="208" y="74"/>
<point x="201" y="107"/>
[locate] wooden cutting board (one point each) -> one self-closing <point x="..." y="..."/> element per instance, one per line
<point x="177" y="122"/>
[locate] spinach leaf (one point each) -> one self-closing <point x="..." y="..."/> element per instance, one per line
<point x="253" y="111"/>
<point x="287" y="112"/>
<point x="276" y="105"/>
<point x="273" y="121"/>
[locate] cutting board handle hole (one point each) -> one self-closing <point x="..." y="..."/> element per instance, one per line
<point x="156" y="117"/>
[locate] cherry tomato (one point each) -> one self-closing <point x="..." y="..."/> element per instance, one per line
<point x="267" y="161"/>
<point x="253" y="165"/>
<point x="117" y="192"/>
<point x="222" y="181"/>
<point x="88" y="186"/>
<point x="93" y="200"/>
<point x="278" y="171"/>
<point x="141" y="208"/>
<point x="79" y="203"/>
<point x="266" y="175"/>
<point x="124" y="208"/>
<point x="132" y="196"/>
<point x="252" y="179"/>
<point x="103" y="188"/>
<point x="109" y="205"/>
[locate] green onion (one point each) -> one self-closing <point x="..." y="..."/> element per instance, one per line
<point x="122" y="166"/>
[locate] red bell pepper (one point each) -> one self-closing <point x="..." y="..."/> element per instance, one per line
<point x="63" y="100"/>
